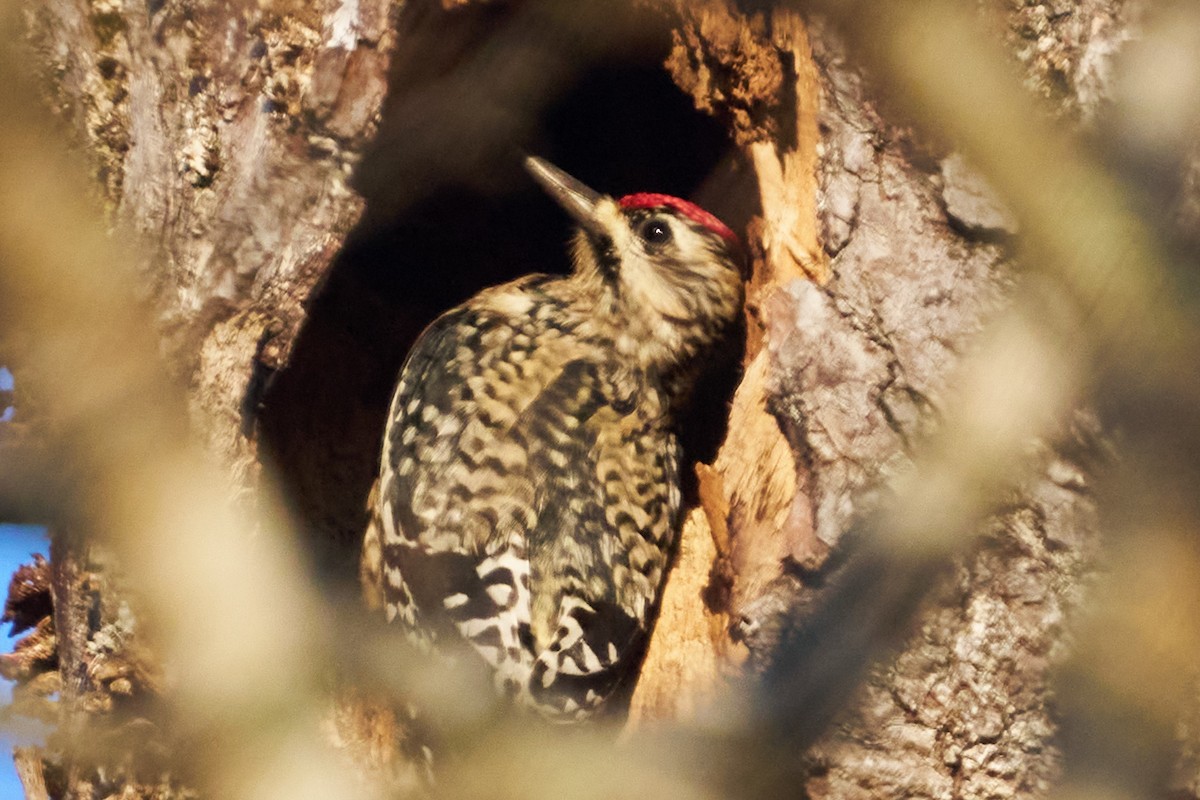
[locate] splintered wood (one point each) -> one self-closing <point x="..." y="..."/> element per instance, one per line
<point x="754" y="512"/>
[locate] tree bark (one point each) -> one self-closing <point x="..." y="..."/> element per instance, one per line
<point x="866" y="294"/>
<point x="223" y="138"/>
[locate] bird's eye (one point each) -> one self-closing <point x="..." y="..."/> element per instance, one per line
<point x="655" y="232"/>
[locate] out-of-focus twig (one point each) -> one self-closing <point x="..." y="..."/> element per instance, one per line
<point x="1112" y="321"/>
<point x="240" y="628"/>
<point x="29" y="487"/>
<point x="243" y="633"/>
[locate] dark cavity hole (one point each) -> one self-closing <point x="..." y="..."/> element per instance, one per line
<point x="450" y="211"/>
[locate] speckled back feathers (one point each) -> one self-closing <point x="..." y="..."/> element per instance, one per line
<point x="528" y="495"/>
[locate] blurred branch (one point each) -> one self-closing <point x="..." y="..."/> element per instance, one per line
<point x="1076" y="221"/>
<point x="1018" y="387"/>
<point x="242" y="630"/>
<point x="1111" y="321"/>
<point x="239" y="624"/>
<point x="30" y="491"/>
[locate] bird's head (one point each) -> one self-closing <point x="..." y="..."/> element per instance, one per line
<point x="664" y="270"/>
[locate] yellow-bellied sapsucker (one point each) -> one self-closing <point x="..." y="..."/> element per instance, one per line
<point x="529" y="494"/>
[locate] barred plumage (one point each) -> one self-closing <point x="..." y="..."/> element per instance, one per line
<point x="528" y="494"/>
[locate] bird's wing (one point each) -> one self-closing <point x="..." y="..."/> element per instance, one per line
<point x="603" y="471"/>
<point x="451" y="485"/>
<point x="505" y="510"/>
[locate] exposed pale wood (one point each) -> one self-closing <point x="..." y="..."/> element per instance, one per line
<point x="750" y="495"/>
<point x="683" y="670"/>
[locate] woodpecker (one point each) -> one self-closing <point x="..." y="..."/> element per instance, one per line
<point x="528" y="496"/>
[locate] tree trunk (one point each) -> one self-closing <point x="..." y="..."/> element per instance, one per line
<point x="309" y="184"/>
<point x="881" y="258"/>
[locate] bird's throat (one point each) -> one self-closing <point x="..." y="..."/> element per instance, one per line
<point x="604" y="256"/>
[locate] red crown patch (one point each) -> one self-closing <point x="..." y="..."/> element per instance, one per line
<point x="690" y="210"/>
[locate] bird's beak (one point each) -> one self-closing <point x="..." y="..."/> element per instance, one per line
<point x="579" y="201"/>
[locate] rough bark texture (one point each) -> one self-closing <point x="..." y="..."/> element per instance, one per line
<point x="222" y="136"/>
<point x="853" y="369"/>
